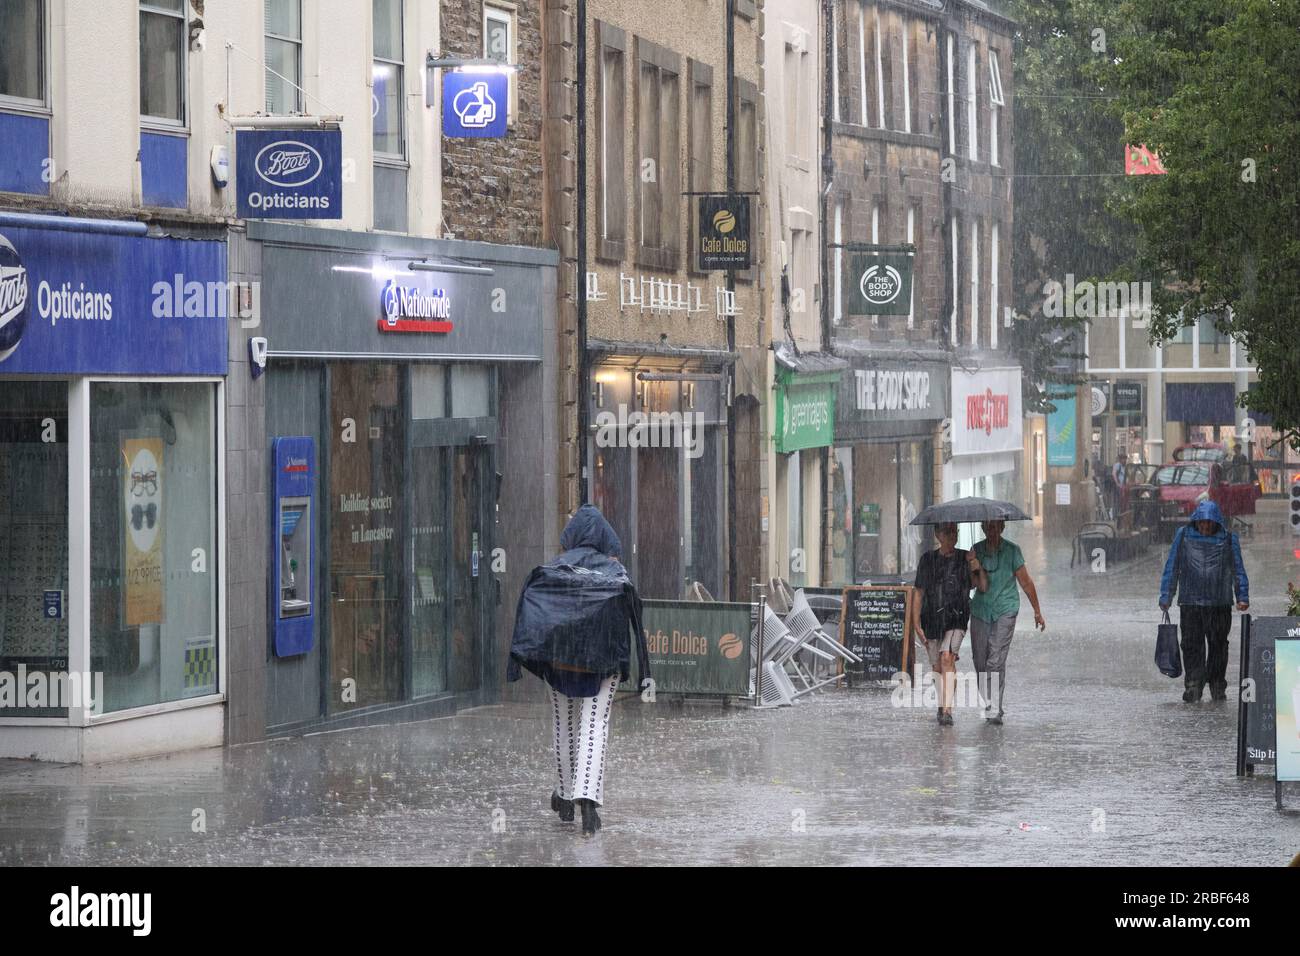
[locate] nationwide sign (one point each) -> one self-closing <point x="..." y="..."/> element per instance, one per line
<point x="722" y="233"/>
<point x="289" y="174"/>
<point x="880" y="283"/>
<point x="475" y="104"/>
<point x="409" y="309"/>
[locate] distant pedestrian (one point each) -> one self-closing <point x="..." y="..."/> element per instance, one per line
<point x="994" y="612"/>
<point x="577" y="618"/>
<point x="1204" y="569"/>
<point x="944" y="579"/>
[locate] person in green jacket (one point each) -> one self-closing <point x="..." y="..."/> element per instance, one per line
<point x="994" y="611"/>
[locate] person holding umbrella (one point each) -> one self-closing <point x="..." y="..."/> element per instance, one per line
<point x="944" y="578"/>
<point x="994" y="612"/>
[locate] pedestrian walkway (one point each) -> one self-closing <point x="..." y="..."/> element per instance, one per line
<point x="1099" y="764"/>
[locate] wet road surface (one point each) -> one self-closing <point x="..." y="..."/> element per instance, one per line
<point x="1099" y="763"/>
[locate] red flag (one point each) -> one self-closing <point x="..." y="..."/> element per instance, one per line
<point x="1140" y="161"/>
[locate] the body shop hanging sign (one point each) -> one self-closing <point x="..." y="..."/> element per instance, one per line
<point x="722" y="233"/>
<point x="881" y="283"/>
<point x="409" y="309"/>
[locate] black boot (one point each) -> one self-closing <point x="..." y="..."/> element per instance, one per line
<point x="1193" y="693"/>
<point x="590" y="818"/>
<point x="563" y="807"/>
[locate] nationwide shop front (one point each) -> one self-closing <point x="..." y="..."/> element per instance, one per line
<point x="113" y="353"/>
<point x="887" y="428"/>
<point x="407" y="431"/>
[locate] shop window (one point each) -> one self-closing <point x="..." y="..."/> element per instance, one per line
<point x="33" y="532"/>
<point x="282" y="21"/>
<point x="153" y="541"/>
<point x="795" y="559"/>
<point x="840" y="525"/>
<point x="612" y="168"/>
<point x="471" y="391"/>
<point x="366" y="516"/>
<point x="162" y="61"/>
<point x="659" y="199"/>
<point x="428" y="391"/>
<point x="22" y="51"/>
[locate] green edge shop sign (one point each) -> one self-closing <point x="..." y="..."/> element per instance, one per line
<point x="881" y="283"/>
<point x="805" y="415"/>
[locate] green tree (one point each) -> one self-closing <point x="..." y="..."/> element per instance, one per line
<point x="1214" y="87"/>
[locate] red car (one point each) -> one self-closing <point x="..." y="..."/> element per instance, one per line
<point x="1182" y="485"/>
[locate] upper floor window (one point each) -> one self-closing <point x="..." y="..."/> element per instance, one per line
<point x="386" y="81"/>
<point x="658" y="137"/>
<point x="972" y="113"/>
<point x="500" y="43"/>
<point x="22" y="50"/>
<point x="283" y="57"/>
<point x="162" y="60"/>
<point x="611" y="108"/>
<point x="996" y="101"/>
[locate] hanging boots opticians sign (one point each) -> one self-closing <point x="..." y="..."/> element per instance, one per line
<point x="722" y="240"/>
<point x="289" y="174"/>
<point x="881" y="283"/>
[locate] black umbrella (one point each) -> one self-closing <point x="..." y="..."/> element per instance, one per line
<point x="966" y="510"/>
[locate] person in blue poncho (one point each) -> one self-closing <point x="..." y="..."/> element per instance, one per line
<point x="577" y="619"/>
<point x="1204" y="569"/>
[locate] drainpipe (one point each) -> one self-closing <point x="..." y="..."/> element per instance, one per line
<point x="580" y="287"/>
<point x="827" y="182"/>
<point x="730" y="12"/>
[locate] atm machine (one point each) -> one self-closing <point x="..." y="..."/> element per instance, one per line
<point x="293" y="571"/>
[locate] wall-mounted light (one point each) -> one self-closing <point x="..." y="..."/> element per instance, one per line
<point x="460" y="268"/>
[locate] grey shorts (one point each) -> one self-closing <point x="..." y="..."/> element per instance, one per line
<point x="951" y="643"/>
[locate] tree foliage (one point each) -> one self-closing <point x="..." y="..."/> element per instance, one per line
<point x="1214" y="87"/>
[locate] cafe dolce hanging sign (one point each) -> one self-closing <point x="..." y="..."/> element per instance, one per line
<point x="722" y="233"/>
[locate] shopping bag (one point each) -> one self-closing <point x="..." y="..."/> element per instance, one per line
<point x="1168" y="658"/>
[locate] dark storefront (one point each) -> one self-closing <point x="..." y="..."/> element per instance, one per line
<point x="422" y="393"/>
<point x="882" y="465"/>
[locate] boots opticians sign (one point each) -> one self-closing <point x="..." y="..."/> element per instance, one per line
<point x="74" y="303"/>
<point x="408" y="309"/>
<point x="284" y="174"/>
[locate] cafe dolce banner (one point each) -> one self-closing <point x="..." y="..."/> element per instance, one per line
<point x="696" y="648"/>
<point x="986" y="411"/>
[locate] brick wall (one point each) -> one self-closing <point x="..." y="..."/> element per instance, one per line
<point x="492" y="189"/>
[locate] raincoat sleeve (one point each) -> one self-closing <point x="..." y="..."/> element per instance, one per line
<point x="1240" y="583"/>
<point x="1169" y="580"/>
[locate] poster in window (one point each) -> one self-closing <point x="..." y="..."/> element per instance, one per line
<point x="143" y="498"/>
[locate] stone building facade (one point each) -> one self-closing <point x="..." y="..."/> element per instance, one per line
<point x="492" y="189"/>
<point x="658" y="336"/>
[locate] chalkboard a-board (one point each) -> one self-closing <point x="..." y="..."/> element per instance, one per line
<point x="874" y="625"/>
<point x="1261" y="712"/>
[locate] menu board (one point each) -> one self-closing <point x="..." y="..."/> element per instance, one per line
<point x="1261" y="712"/>
<point x="874" y="626"/>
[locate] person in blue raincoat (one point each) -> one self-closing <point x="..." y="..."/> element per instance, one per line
<point x="577" y="620"/>
<point x="1204" y="569"/>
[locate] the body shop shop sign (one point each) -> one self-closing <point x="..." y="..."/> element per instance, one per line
<point x="805" y="411"/>
<point x="722" y="240"/>
<point x="289" y="174"/>
<point x="880" y="283"/>
<point x="696" y="648"/>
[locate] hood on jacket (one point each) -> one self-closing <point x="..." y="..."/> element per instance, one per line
<point x="1207" y="511"/>
<point x="589" y="529"/>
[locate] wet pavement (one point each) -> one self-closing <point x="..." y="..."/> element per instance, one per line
<point x="1099" y="763"/>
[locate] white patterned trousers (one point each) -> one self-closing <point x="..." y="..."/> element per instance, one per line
<point x="581" y="736"/>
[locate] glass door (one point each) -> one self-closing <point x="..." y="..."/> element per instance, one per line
<point x="470" y="550"/>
